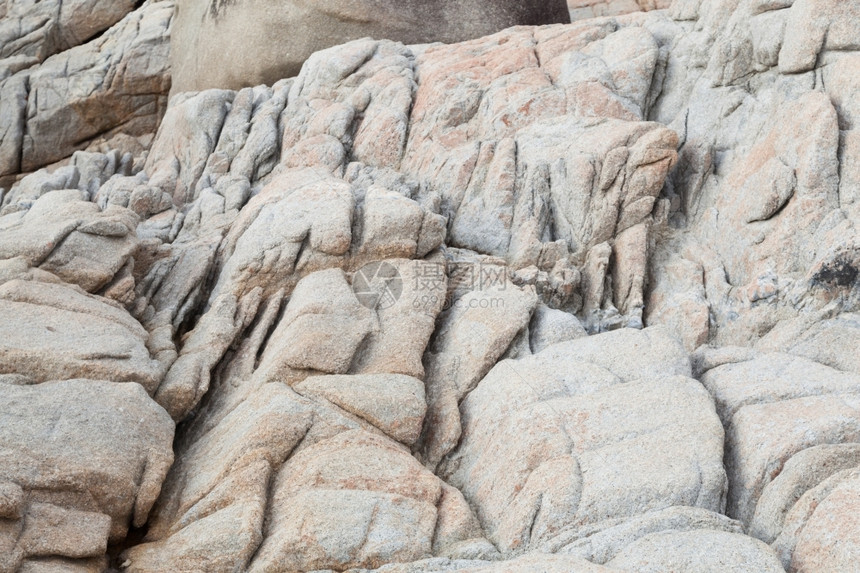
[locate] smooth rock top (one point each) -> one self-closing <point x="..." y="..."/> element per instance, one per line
<point x="270" y="39"/>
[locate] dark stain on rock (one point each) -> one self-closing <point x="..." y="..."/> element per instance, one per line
<point x="840" y="273"/>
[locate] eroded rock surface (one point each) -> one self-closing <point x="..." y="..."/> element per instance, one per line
<point x="571" y="297"/>
<point x="82" y="461"/>
<point x="115" y="83"/>
<point x="33" y="31"/>
<point x="549" y="442"/>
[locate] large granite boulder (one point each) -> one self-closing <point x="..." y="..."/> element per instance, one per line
<point x="268" y="40"/>
<point x="584" y="435"/>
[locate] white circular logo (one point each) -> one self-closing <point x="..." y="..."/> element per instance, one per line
<point x="377" y="285"/>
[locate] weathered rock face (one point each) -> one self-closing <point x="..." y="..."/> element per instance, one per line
<point x="543" y="443"/>
<point x="762" y="255"/>
<point x="764" y="221"/>
<point x="31" y="31"/>
<point x="573" y="297"/>
<point x="205" y="30"/>
<point x="115" y="83"/>
<point x="55" y="331"/>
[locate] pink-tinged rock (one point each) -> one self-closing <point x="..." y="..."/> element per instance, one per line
<point x="54" y="331"/>
<point x="357" y="500"/>
<point x="820" y="532"/>
<point x="569" y="438"/>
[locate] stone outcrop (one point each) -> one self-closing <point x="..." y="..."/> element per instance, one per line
<point x="567" y="297"/>
<point x="543" y="443"/>
<point x="763" y="233"/>
<point x="32" y="31"/>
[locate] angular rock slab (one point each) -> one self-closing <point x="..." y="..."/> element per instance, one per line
<point x="81" y="461"/>
<point x="604" y="541"/>
<point x="71" y="238"/>
<point x="35" y="30"/>
<point x="832" y="342"/>
<point x="394" y="403"/>
<point x="584" y="9"/>
<point x="516" y="132"/>
<point x="763" y="200"/>
<point x="118" y="82"/>
<point x="587" y="431"/>
<point x="805" y="471"/>
<point x="469" y="339"/>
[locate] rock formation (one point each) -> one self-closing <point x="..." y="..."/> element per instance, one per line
<point x="574" y="297"/>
